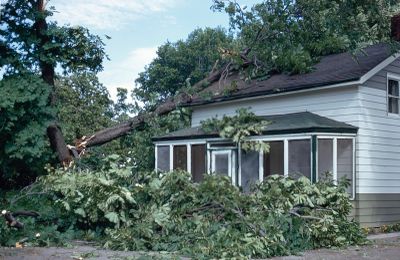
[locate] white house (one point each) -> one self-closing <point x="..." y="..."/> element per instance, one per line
<point x="343" y="117"/>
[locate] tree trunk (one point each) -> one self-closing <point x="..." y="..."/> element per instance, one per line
<point x="54" y="133"/>
<point x="111" y="133"/>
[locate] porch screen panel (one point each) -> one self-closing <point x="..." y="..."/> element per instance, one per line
<point x="198" y="162"/>
<point x="325" y="159"/>
<point x="345" y="161"/>
<point x="274" y="159"/>
<point x="249" y="169"/>
<point x="163" y="158"/>
<point x="300" y="158"/>
<point x="222" y="164"/>
<point x="180" y="157"/>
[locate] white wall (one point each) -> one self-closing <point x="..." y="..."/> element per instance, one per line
<point x="379" y="137"/>
<point x="341" y="104"/>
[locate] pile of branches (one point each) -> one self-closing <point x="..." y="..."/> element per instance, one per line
<point x="168" y="212"/>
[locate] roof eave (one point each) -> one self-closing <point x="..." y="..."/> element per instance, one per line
<point x="337" y="130"/>
<point x="274" y="92"/>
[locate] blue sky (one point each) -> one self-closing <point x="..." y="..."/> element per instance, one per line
<point x="136" y="28"/>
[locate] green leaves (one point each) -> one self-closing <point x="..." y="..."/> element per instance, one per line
<point x="24" y="116"/>
<point x="289" y="36"/>
<point x="238" y="127"/>
<point x="181" y="64"/>
<point x="73" y="49"/>
<point x="112" y="217"/>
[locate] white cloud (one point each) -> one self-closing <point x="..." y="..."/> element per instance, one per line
<point x="122" y="74"/>
<point x="107" y="14"/>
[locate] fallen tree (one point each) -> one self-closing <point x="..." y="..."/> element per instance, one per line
<point x="172" y="103"/>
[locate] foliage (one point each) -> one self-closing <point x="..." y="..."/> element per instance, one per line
<point x="290" y="35"/>
<point x="31" y="48"/>
<point x="72" y="49"/>
<point x="84" y="105"/>
<point x="212" y="219"/>
<point x="51" y="228"/>
<point x="138" y="147"/>
<point x="24" y="116"/>
<point x="238" y="127"/>
<point x="382" y="229"/>
<point x="180" y="64"/>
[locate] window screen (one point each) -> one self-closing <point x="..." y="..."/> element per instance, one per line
<point x="274" y="159"/>
<point x="249" y="169"/>
<point x="198" y="162"/>
<point x="299" y="158"/>
<point x="221" y="164"/>
<point x="180" y="157"/>
<point x="345" y="161"/>
<point x="393" y="96"/>
<point x="325" y="159"/>
<point x="163" y="158"/>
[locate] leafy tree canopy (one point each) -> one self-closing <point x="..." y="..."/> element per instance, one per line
<point x="27" y="40"/>
<point x="181" y="63"/>
<point x="32" y="50"/>
<point x="290" y="35"/>
<point x="84" y="105"/>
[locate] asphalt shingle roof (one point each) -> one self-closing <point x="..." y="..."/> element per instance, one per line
<point x="332" y="69"/>
<point x="303" y="122"/>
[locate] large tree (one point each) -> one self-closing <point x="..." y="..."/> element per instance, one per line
<point x="32" y="48"/>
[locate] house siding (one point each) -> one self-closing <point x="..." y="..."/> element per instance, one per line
<point x="378" y="151"/>
<point x="378" y="140"/>
<point x="340" y="104"/>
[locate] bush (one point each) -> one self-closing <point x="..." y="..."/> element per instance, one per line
<point x="168" y="212"/>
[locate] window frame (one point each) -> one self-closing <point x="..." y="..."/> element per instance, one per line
<point x="221" y="152"/>
<point x="285" y="139"/>
<point x="335" y="161"/>
<point x="393" y="77"/>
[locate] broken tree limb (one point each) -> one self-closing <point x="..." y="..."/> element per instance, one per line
<point x="111" y="133"/>
<point x="11" y="217"/>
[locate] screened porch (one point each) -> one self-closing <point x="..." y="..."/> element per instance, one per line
<point x="301" y="144"/>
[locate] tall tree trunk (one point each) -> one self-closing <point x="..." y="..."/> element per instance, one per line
<point x="54" y="133"/>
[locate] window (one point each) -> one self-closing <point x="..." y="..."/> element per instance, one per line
<point x="325" y="159"/>
<point x="393" y="96"/>
<point x="345" y="161"/>
<point x="300" y="158"/>
<point x="221" y="163"/>
<point x="274" y="159"/>
<point x="336" y="157"/>
<point x="163" y="158"/>
<point x="198" y="162"/>
<point x="180" y="157"/>
<point x="249" y="168"/>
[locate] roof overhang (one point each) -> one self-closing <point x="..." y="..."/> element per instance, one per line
<point x="296" y="123"/>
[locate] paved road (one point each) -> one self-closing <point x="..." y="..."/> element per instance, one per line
<point x="384" y="247"/>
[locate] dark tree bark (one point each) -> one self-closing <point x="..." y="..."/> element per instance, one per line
<point x="12" y="221"/>
<point x="111" y="133"/>
<point x="54" y="133"/>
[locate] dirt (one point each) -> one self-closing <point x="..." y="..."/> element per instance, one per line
<point x="386" y="248"/>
